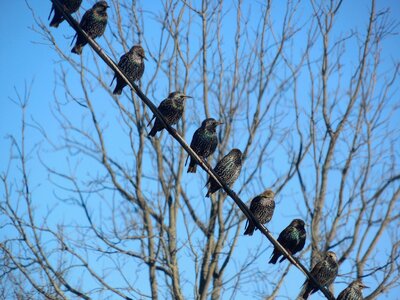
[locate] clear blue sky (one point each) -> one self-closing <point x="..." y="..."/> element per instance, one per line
<point x="23" y="60"/>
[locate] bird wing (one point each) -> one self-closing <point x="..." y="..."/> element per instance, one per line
<point x="85" y="19"/>
<point x="287" y="238"/>
<point x="162" y="108"/>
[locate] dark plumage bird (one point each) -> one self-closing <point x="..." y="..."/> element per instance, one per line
<point x="172" y="109"/>
<point x="204" y="142"/>
<point x="132" y="64"/>
<point x="262" y="207"/>
<point x="94" y="23"/>
<point x="228" y="168"/>
<point x="324" y="272"/>
<point x="70" y="6"/>
<point x="353" y="291"/>
<point x="292" y="238"/>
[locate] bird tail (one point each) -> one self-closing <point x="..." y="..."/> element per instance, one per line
<point x="153" y="131"/>
<point x="192" y="166"/>
<point x="274" y="258"/>
<point x="117" y="90"/>
<point x="249" y="228"/>
<point x="306" y="291"/>
<point x="54" y="23"/>
<point x="77" y="49"/>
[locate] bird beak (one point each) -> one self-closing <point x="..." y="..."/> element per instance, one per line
<point x="220" y="123"/>
<point x="187" y="97"/>
<point x="364" y="286"/>
<point x="144" y="57"/>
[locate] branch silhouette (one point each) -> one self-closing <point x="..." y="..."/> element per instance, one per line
<point x="203" y="164"/>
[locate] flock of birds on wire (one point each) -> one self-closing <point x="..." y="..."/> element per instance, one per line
<point x="204" y="143"/>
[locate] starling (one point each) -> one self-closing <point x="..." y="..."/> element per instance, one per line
<point x="132" y="65"/>
<point x="172" y="110"/>
<point x="94" y="23"/>
<point x="292" y="238"/>
<point x="204" y="142"/>
<point x="228" y="168"/>
<point x="70" y="6"/>
<point x="353" y="291"/>
<point x="262" y="208"/>
<point x="324" y="272"/>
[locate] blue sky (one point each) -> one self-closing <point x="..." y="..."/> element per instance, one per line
<point x="24" y="60"/>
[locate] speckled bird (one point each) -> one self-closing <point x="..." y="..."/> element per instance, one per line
<point x="292" y="238"/>
<point x="70" y="6"/>
<point x="94" y="23"/>
<point x="324" y="272"/>
<point x="204" y="142"/>
<point x="228" y="168"/>
<point x="132" y="64"/>
<point x="172" y="109"/>
<point x="353" y="291"/>
<point x="262" y="207"/>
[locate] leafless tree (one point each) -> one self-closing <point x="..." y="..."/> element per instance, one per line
<point x="312" y="104"/>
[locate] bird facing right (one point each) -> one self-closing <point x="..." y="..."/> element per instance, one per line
<point x="172" y="109"/>
<point x="70" y="6"/>
<point x="292" y="238"/>
<point x="353" y="291"/>
<point x="262" y="207"/>
<point x="132" y="65"/>
<point x="204" y="142"/>
<point x="228" y="168"/>
<point x="325" y="272"/>
<point x="94" y="23"/>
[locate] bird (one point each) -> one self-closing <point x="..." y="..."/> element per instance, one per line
<point x="132" y="65"/>
<point x="70" y="6"/>
<point x="292" y="238"/>
<point x="325" y="272"/>
<point x="171" y="108"/>
<point x="228" y="168"/>
<point x="262" y="207"/>
<point x="204" y="142"/>
<point x="353" y="291"/>
<point x="94" y="23"/>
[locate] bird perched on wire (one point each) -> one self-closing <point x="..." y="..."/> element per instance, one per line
<point x="132" y="65"/>
<point x="228" y="168"/>
<point x="324" y="272"/>
<point x="204" y="142"/>
<point x="70" y="6"/>
<point x="353" y="291"/>
<point x="94" y="23"/>
<point x="262" y="207"/>
<point x="172" y="109"/>
<point x="292" y="238"/>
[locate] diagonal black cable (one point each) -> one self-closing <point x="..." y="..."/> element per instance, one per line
<point x="204" y="165"/>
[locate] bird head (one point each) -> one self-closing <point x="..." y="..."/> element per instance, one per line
<point x="178" y="96"/>
<point x="268" y="194"/>
<point x="331" y="255"/>
<point x="359" y="284"/>
<point x="236" y="153"/>
<point x="210" y="123"/>
<point x="298" y="223"/>
<point x="139" y="51"/>
<point x="100" y="6"/>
